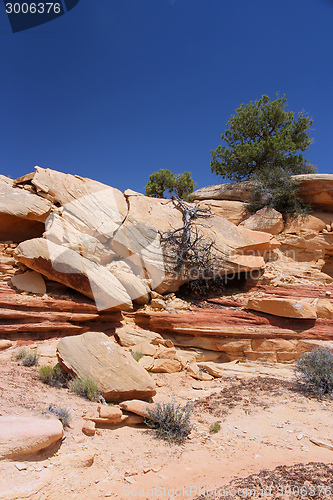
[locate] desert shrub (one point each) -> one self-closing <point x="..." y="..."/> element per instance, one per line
<point x="86" y="387"/>
<point x="276" y="189"/>
<point x="52" y="375"/>
<point x="137" y="355"/>
<point x="214" y="428"/>
<point x="30" y="359"/>
<point x="62" y="413"/>
<point x="170" y="420"/>
<point x="315" y="370"/>
<point x="20" y="354"/>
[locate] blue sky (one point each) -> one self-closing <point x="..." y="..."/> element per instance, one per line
<point x="117" y="89"/>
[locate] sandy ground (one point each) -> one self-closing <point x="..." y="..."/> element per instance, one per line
<point x="265" y="423"/>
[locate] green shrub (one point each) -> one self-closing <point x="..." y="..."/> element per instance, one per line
<point x="276" y="189"/>
<point x="315" y="370"/>
<point x="52" y="375"/>
<point x="62" y="413"/>
<point x="26" y="356"/>
<point x="30" y="359"/>
<point x="214" y="428"/>
<point x="137" y="355"/>
<point x="20" y="354"/>
<point x="86" y="387"/>
<point x="170" y="421"/>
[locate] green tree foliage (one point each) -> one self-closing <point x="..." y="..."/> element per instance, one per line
<point x="261" y="135"/>
<point x="159" y="183"/>
<point x="165" y="183"/>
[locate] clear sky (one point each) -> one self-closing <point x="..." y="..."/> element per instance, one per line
<point x="117" y="89"/>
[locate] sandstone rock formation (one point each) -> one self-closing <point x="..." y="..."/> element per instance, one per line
<point x="288" y="308"/>
<point x="117" y="374"/>
<point x="26" y="316"/>
<point x="108" y="245"/>
<point x="317" y="189"/>
<point x="22" y="214"/>
<point x="22" y="436"/>
<point x="30" y="281"/>
<point x="233" y="211"/>
<point x="235" y="333"/>
<point x="234" y="191"/>
<point x="73" y="270"/>
<point x="267" y="220"/>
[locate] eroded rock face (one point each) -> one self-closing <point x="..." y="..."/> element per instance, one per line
<point x="266" y="220"/>
<point x="22" y="214"/>
<point x="118" y="375"/>
<point x="241" y="334"/>
<point x="73" y="270"/>
<point x="22" y="436"/>
<point x="20" y="203"/>
<point x="233" y="211"/>
<point x="317" y="189"/>
<point x="235" y="191"/>
<point x="138" y="240"/>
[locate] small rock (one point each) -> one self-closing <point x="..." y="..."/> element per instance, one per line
<point x="166" y="366"/>
<point x="138" y="407"/>
<point x="197" y="385"/>
<point x="318" y="442"/>
<point x="110" y="412"/>
<point x="158" y="304"/>
<point x="21" y="466"/>
<point x="133" y="419"/>
<point x="130" y="480"/>
<point x="89" y="428"/>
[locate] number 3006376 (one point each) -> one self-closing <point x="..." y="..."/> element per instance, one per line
<point x="33" y="8"/>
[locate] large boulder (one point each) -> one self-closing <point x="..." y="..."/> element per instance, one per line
<point x="317" y="189"/>
<point x="22" y="214"/>
<point x="75" y="271"/>
<point x="266" y="220"/>
<point x="288" y="308"/>
<point x="233" y="211"/>
<point x="118" y="375"/>
<point x="22" y="436"/>
<point x="235" y="191"/>
<point x="21" y="203"/>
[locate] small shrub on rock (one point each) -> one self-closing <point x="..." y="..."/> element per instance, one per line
<point x="63" y="414"/>
<point x="170" y="420"/>
<point x="86" y="387"/>
<point x="315" y="370"/>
